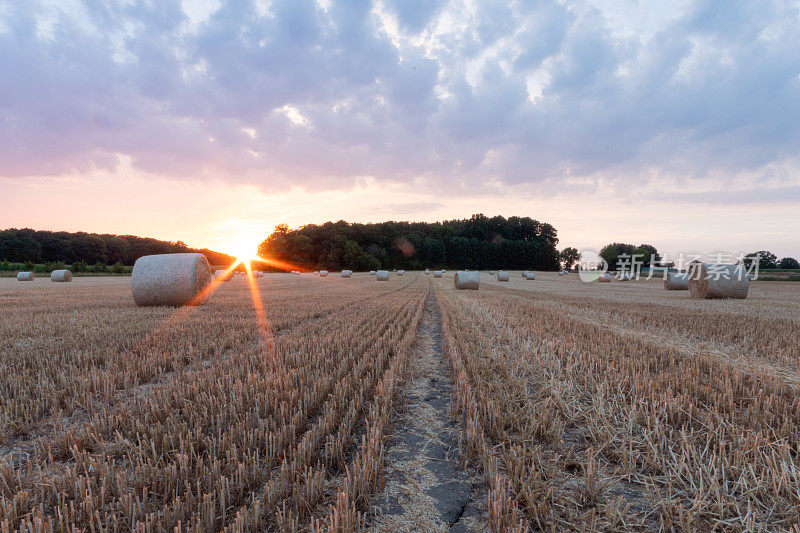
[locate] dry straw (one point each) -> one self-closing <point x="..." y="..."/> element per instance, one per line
<point x="61" y="276"/>
<point x="713" y="281"/>
<point x="502" y="276"/>
<point x="466" y="280"/>
<point x="347" y="273"/>
<point x="676" y="281"/>
<point x="382" y="275"/>
<point x="25" y="276"/>
<point x="170" y="279"/>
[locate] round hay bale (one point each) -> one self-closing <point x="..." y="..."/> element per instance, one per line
<point x="676" y="281"/>
<point x="466" y="280"/>
<point x="437" y="273"/>
<point x="604" y="278"/>
<point x="713" y="281"/>
<point x="61" y="276"/>
<point x="25" y="276"/>
<point x="530" y="275"/>
<point x="382" y="275"/>
<point x="427" y="272"/>
<point x="347" y="273"/>
<point x="401" y="272"/>
<point x="170" y="279"/>
<point x="561" y="273"/>
<point x="322" y="273"/>
<point x="371" y="272"/>
<point x="502" y="276"/>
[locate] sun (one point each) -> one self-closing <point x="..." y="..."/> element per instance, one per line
<point x="243" y="248"/>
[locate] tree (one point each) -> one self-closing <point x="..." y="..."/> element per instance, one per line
<point x="569" y="256"/>
<point x="788" y="263"/>
<point x="766" y="260"/>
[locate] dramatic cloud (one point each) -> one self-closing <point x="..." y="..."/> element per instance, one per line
<point x="462" y="93"/>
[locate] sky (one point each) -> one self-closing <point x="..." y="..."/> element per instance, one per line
<point x="674" y="123"/>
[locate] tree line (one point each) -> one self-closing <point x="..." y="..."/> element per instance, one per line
<point x="478" y="242"/>
<point x="33" y="246"/>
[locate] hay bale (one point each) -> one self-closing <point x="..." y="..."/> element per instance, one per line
<point x="623" y="276"/>
<point x="676" y="281"/>
<point x="530" y="276"/>
<point x="561" y="273"/>
<point x="347" y="273"/>
<point x="25" y="276"/>
<point x="322" y="273"/>
<point x="466" y="280"/>
<point x="427" y="272"/>
<point x="221" y="274"/>
<point x="437" y="273"/>
<point x="502" y="276"/>
<point x="714" y="281"/>
<point x="170" y="279"/>
<point x="382" y="275"/>
<point x="604" y="278"/>
<point x="371" y="272"/>
<point x="61" y="276"/>
<point x="401" y="272"/>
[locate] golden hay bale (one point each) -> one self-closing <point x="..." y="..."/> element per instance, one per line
<point x="322" y="273"/>
<point x="170" y="279"/>
<point x="347" y="273"/>
<point x="530" y="275"/>
<point x="25" y="276"/>
<point x="437" y="273"/>
<point x="676" y="281"/>
<point x="714" y="281"/>
<point x="382" y="275"/>
<point x="502" y="276"/>
<point x="61" y="276"/>
<point x="466" y="280"/>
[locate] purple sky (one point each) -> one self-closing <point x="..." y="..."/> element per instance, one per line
<point x="674" y="123"/>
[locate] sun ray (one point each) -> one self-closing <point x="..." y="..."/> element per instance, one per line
<point x="277" y="263"/>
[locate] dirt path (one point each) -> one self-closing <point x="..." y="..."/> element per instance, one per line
<point x="425" y="488"/>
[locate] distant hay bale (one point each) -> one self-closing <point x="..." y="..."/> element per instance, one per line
<point x="561" y="273"/>
<point x="347" y="273"/>
<point x="466" y="280"/>
<point x="604" y="278"/>
<point x="323" y="273"/>
<point x="530" y="275"/>
<point x="170" y="279"/>
<point x="491" y="272"/>
<point x="224" y="275"/>
<point x="25" y="276"/>
<point x="61" y="275"/>
<point x="427" y="272"/>
<point x="502" y="276"/>
<point x="623" y="276"/>
<point x="371" y="272"/>
<point x="401" y="272"/>
<point x="437" y="273"/>
<point x="382" y="275"/>
<point x="676" y="281"/>
<point x="714" y="281"/>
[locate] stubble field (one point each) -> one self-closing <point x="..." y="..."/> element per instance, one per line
<point x="574" y="406"/>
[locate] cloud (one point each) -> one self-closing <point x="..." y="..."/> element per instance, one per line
<point x="301" y="93"/>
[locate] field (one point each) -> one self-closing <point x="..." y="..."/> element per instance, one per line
<point x="328" y="404"/>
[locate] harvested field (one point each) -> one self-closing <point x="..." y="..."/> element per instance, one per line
<point x="330" y="404"/>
